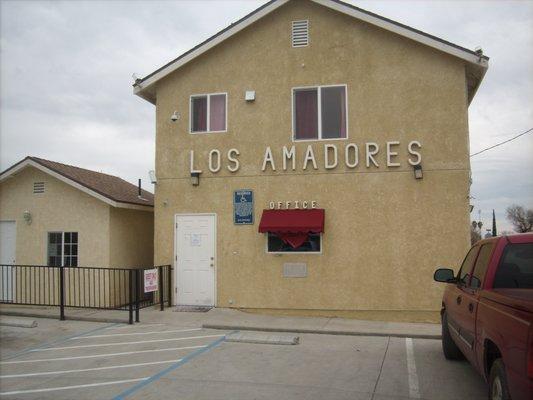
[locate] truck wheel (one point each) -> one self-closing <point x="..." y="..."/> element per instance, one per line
<point x="449" y="348"/>
<point x="498" y="389"/>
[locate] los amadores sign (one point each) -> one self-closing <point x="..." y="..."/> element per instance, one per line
<point x="331" y="156"/>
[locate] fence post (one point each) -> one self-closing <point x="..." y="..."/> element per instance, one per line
<point x="137" y="293"/>
<point x="131" y="297"/>
<point x="61" y="293"/>
<point x="161" y="290"/>
<point x="169" y="278"/>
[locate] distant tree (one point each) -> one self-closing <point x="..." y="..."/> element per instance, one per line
<point x="475" y="235"/>
<point x="521" y="218"/>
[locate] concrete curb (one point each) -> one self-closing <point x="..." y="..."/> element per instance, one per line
<point x="18" y="323"/>
<point x="322" y="331"/>
<point x="69" y="318"/>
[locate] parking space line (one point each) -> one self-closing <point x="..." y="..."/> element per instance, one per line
<point x="125" y="343"/>
<point x="102" y="355"/>
<point x="72" y="387"/>
<point x="171" y="368"/>
<point x="64" y="339"/>
<point x="414" y="391"/>
<point x="135" y="333"/>
<point x="69" y="371"/>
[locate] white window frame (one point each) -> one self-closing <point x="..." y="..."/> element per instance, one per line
<point x="63" y="246"/>
<point x="208" y="95"/>
<point x="295" y="252"/>
<point x="319" y="108"/>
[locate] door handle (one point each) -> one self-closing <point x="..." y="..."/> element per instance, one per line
<point x="459" y="299"/>
<point x="471" y="307"/>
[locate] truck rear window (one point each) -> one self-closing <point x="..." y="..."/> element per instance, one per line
<point x="516" y="267"/>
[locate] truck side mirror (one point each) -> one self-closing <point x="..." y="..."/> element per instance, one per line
<point x="445" y="275"/>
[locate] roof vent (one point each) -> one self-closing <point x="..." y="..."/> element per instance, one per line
<point x="38" y="187"/>
<point x="300" y="33"/>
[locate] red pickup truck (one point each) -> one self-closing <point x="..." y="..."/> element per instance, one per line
<point x="487" y="314"/>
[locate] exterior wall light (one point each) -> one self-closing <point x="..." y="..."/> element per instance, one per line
<point x="27" y="217"/>
<point x="418" y="171"/>
<point x="195" y="178"/>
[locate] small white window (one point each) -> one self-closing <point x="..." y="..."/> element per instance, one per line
<point x="38" y="187"/>
<point x="208" y="113"/>
<point x="300" y="33"/>
<point x="319" y="113"/>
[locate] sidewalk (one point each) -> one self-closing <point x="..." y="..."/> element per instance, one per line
<point x="228" y="319"/>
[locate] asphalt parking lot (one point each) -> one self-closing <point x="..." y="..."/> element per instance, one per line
<point x="69" y="359"/>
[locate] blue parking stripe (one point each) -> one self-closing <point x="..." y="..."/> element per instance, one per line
<point x="63" y="339"/>
<point x="162" y="373"/>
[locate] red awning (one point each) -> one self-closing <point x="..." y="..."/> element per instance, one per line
<point x="292" y="221"/>
<point x="292" y="226"/>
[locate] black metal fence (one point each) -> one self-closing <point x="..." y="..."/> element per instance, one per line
<point x="84" y="287"/>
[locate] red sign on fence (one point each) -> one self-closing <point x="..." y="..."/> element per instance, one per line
<point x="150" y="280"/>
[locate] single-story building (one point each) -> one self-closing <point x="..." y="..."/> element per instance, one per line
<point x="313" y="158"/>
<point x="61" y="215"/>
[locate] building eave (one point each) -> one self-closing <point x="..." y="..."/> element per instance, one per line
<point x="29" y="162"/>
<point x="145" y="87"/>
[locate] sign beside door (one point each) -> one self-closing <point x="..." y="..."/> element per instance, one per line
<point x="150" y="280"/>
<point x="243" y="207"/>
<point x="195" y="244"/>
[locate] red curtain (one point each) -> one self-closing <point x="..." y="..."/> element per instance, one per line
<point x="306" y="114"/>
<point x="199" y="114"/>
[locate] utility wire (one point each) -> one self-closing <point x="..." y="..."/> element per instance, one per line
<point x="499" y="144"/>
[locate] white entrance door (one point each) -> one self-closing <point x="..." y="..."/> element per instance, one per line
<point x="8" y="233"/>
<point x="195" y="259"/>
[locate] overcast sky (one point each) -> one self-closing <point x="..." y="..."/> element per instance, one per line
<point x="65" y="81"/>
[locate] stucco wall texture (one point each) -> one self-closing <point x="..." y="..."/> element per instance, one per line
<point x="385" y="232"/>
<point x="106" y="237"/>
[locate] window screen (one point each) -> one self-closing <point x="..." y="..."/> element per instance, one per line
<point x="333" y="101"/>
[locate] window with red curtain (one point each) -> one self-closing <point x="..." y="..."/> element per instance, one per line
<point x="208" y="113"/>
<point x="324" y="103"/>
<point x="199" y="114"/>
<point x="306" y="114"/>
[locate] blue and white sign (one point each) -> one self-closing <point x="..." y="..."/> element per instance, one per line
<point x="243" y="207"/>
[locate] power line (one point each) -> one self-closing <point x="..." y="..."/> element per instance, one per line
<point x="499" y="144"/>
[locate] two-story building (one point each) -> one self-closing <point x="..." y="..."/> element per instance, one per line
<point x="313" y="158"/>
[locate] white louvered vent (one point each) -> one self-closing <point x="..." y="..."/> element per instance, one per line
<point x="38" y="187"/>
<point x="300" y="33"/>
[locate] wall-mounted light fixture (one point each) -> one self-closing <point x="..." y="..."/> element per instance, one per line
<point x="195" y="178"/>
<point x="418" y="171"/>
<point x="27" y="217"/>
<point x="174" y="117"/>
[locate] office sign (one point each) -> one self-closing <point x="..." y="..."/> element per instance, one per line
<point x="243" y="207"/>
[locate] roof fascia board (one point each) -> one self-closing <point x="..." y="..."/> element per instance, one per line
<point x="408" y="33"/>
<point x="208" y="45"/>
<point x="31" y="163"/>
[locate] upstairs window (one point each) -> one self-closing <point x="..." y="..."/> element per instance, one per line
<point x="319" y="113"/>
<point x="38" y="187"/>
<point x="208" y="113"/>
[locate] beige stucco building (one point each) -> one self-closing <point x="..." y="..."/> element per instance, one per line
<point x="304" y="106"/>
<point x="57" y="214"/>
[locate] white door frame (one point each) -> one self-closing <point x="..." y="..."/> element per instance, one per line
<point x="175" y="263"/>
<point x="11" y="295"/>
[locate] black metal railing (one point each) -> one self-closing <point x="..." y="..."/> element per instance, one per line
<point x="84" y="287"/>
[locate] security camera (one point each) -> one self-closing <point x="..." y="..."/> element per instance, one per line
<point x="175" y="116"/>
